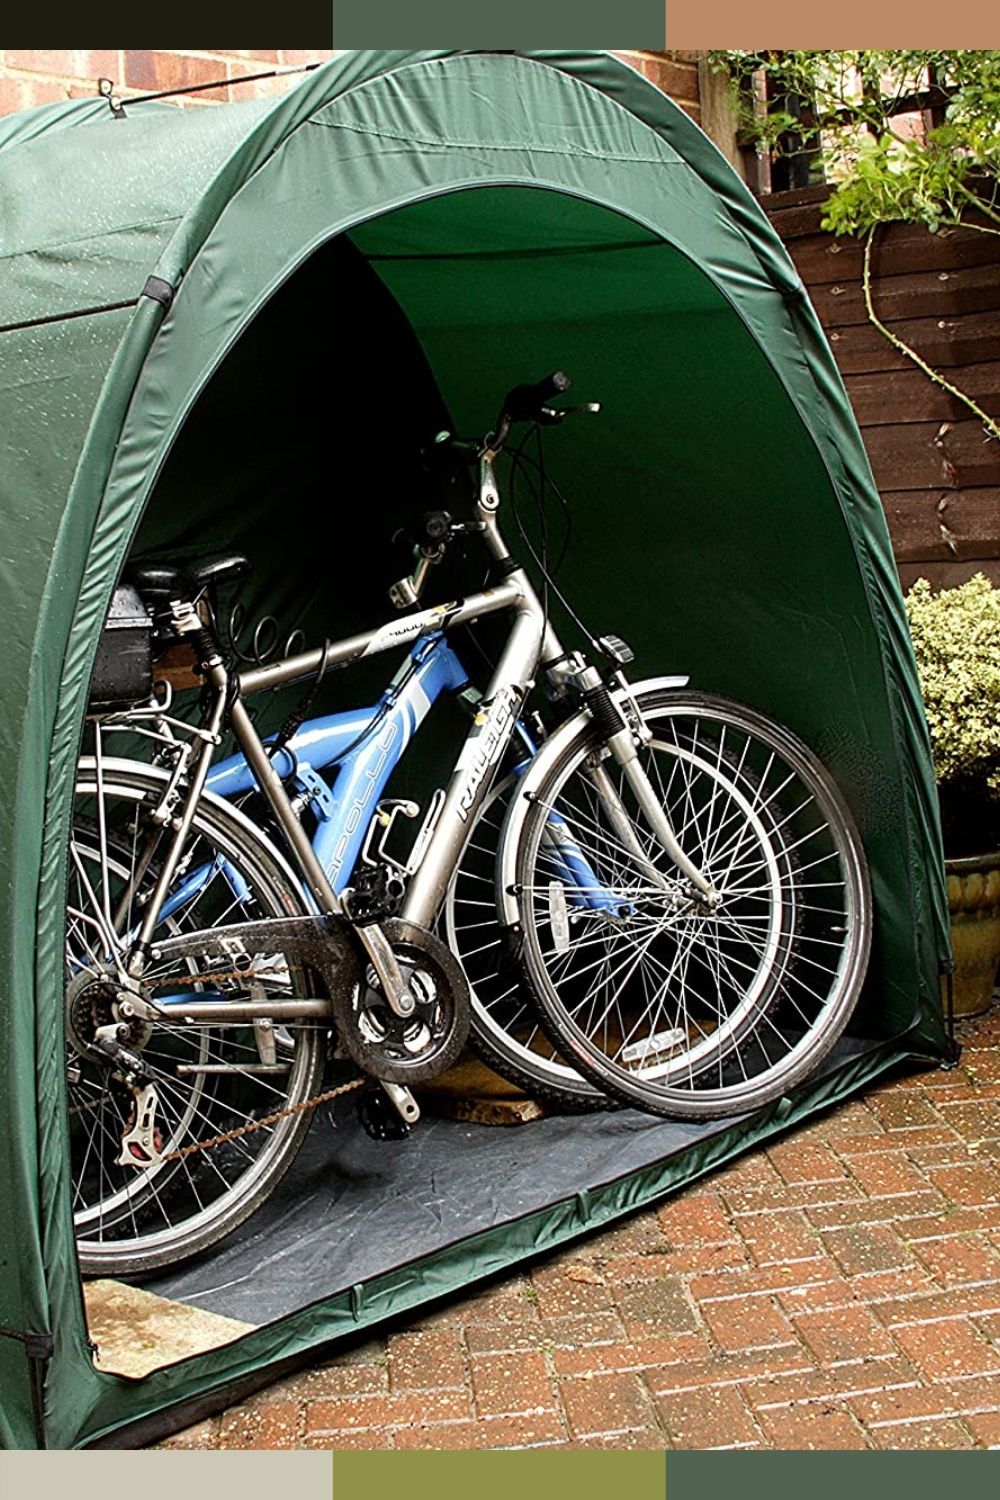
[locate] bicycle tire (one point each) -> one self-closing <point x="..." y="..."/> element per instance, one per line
<point x="761" y="1014"/>
<point x="505" y="1030"/>
<point x="135" y="1222"/>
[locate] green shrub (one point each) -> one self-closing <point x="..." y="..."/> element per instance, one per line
<point x="956" y="639"/>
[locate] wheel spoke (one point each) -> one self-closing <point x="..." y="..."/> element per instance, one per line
<point x="728" y="1001"/>
<point x="139" y="1217"/>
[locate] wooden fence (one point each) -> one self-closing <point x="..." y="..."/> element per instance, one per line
<point x="937" y="472"/>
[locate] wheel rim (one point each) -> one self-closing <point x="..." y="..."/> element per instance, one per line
<point x="159" y="1214"/>
<point x="793" y="982"/>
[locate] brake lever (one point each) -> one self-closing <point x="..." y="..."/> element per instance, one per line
<point x="551" y="416"/>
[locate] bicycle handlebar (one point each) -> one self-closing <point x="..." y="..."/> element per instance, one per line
<point x="526" y="403"/>
<point x="523" y="403"/>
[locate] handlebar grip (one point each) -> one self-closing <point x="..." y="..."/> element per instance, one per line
<point x="524" y="402"/>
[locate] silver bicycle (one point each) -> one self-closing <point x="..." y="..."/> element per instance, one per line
<point x="662" y="898"/>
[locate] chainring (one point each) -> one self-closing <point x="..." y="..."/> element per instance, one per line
<point x="414" y="1048"/>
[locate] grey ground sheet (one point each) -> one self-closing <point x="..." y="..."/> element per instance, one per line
<point x="352" y="1208"/>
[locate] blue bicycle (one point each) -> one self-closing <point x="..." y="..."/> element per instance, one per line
<point x="660" y="897"/>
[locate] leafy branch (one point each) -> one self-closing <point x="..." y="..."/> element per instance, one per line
<point x="991" y="425"/>
<point x="846" y="114"/>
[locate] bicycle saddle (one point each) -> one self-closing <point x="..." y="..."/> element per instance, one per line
<point x="158" y="576"/>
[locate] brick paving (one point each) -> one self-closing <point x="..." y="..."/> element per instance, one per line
<point x="840" y="1289"/>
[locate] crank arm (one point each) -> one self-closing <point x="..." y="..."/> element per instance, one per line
<point x="383" y="961"/>
<point x="402" y="1101"/>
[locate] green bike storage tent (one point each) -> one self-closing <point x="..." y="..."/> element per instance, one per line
<point x="232" y="325"/>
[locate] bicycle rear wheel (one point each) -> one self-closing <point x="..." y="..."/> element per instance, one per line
<point x="664" y="1003"/>
<point x="227" y="1116"/>
<point x="506" y="1033"/>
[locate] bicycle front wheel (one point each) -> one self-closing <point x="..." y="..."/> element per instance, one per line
<point x="228" y="1115"/>
<point x="665" y="1002"/>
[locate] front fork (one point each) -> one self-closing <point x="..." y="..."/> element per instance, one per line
<point x="623" y="740"/>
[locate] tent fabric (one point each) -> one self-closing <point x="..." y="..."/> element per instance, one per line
<point x="498" y="215"/>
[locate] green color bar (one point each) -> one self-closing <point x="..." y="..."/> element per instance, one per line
<point x="861" y="1475"/>
<point x="521" y="24"/>
<point x="528" y="1474"/>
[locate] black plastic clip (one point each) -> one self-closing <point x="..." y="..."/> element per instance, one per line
<point x="36" y="1345"/>
<point x="161" y="291"/>
<point x="106" y="89"/>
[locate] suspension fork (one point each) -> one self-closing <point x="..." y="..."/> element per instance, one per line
<point x="621" y="741"/>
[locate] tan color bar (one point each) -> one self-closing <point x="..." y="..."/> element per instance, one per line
<point x="693" y="26"/>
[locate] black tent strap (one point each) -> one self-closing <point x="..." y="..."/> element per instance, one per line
<point x="36" y="1345"/>
<point x="117" y="102"/>
<point x="161" y="291"/>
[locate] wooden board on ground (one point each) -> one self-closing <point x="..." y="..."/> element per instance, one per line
<point x="136" y="1332"/>
<point x="472" y="1091"/>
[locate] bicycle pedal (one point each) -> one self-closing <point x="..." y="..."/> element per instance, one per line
<point x="379" y="1117"/>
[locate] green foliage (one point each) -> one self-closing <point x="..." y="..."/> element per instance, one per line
<point x="956" y="640"/>
<point x="839" y="106"/>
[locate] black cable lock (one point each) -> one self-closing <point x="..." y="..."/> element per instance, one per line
<point x="298" y="716"/>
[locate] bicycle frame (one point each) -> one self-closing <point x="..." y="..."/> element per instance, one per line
<point x="433" y="668"/>
<point x="369" y="743"/>
<point x="366" y="744"/>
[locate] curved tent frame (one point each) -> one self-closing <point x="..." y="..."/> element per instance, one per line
<point x="553" y="208"/>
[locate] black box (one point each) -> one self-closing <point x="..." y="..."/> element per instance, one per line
<point x="123" y="671"/>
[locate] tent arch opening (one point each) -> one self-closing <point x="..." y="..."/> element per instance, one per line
<point x="414" y="234"/>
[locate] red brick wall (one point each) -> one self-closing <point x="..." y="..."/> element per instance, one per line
<point x="676" y="73"/>
<point x="28" y="78"/>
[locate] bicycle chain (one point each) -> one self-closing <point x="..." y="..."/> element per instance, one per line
<point x="245" y="976"/>
<point x="282" y="1114"/>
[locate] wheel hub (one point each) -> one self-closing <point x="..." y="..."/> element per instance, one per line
<point x="94" y="1001"/>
